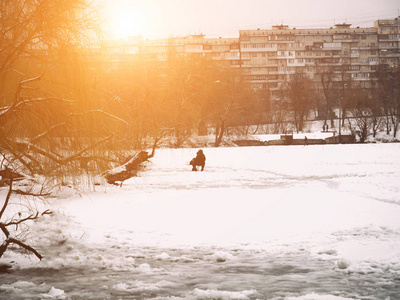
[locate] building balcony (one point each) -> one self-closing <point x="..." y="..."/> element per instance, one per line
<point x="390" y="53"/>
<point x="284" y="57"/>
<point x="282" y="71"/>
<point x="387" y="38"/>
<point x="258" y="50"/>
<point x="302" y="48"/>
<point x="296" y="64"/>
<point x="327" y="64"/>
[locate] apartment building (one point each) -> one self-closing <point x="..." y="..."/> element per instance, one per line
<point x="389" y="41"/>
<point x="163" y="51"/>
<point x="268" y="57"/>
<point x="271" y="56"/>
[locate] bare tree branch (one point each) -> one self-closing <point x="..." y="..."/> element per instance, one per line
<point x="25" y="193"/>
<point x="7" y="199"/>
<point x="31" y="217"/>
<point x="43" y="134"/>
<point x="9" y="109"/>
<point x="4" y="229"/>
<point x="101" y="112"/>
<point x="25" y="246"/>
<point x="20" y="86"/>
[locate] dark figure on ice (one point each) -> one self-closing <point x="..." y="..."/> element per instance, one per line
<point x="199" y="160"/>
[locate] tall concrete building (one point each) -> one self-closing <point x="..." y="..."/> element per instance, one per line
<point x="269" y="57"/>
<point x="389" y="41"/>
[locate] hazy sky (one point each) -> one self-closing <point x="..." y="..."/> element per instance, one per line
<point x="163" y="18"/>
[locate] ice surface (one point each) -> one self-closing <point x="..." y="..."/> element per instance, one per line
<point x="277" y="222"/>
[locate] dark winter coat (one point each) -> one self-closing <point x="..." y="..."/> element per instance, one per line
<point x="199" y="160"/>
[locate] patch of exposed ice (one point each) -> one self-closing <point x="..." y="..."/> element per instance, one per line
<point x="220" y="256"/>
<point x="163" y="255"/>
<point x="314" y="296"/>
<point x="140" y="286"/>
<point x="54" y="294"/>
<point x="16" y="286"/>
<point x="222" y="295"/>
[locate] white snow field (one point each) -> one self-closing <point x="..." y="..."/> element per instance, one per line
<point x="277" y="222"/>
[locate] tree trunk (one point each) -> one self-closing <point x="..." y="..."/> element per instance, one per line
<point x="219" y="133"/>
<point x="128" y="169"/>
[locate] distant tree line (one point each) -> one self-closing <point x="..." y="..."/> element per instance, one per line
<point x="363" y="110"/>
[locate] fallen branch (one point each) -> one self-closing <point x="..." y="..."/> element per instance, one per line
<point x="128" y="169"/>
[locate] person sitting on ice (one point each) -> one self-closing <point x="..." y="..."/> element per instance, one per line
<point x="199" y="160"/>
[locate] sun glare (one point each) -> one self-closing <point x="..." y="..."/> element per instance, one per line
<point x="125" y="21"/>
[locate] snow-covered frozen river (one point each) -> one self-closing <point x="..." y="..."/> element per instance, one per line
<point x="296" y="222"/>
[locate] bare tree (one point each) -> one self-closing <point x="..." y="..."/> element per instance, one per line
<point x="330" y="93"/>
<point x="298" y="94"/>
<point x="387" y="93"/>
<point x="180" y="99"/>
<point x="361" y="108"/>
<point x="227" y="97"/>
<point x="10" y="226"/>
<point x="50" y="124"/>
